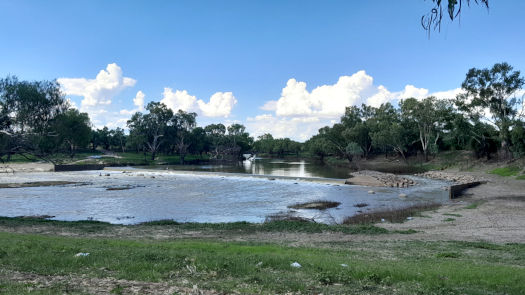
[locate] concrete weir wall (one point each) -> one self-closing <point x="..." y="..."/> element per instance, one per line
<point x="65" y="168"/>
<point x="456" y="189"/>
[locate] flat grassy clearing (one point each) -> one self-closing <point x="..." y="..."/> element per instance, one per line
<point x="365" y="267"/>
<point x="506" y="171"/>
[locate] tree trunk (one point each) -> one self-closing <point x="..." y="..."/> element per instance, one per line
<point x="349" y="158"/>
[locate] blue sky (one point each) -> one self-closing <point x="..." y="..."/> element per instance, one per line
<point x="284" y="67"/>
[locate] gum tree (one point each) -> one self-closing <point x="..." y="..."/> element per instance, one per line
<point x="492" y="94"/>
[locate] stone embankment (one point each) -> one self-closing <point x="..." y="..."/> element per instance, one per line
<point x="450" y="176"/>
<point x="375" y="178"/>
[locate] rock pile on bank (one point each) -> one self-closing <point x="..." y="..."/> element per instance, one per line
<point x="380" y="179"/>
<point x="448" y="176"/>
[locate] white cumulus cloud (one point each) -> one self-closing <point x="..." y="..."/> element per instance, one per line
<point x="178" y="100"/>
<point x="297" y="128"/>
<point x="219" y="105"/>
<point x="138" y="101"/>
<point x="98" y="93"/>
<point x="325" y="100"/>
<point x="299" y="113"/>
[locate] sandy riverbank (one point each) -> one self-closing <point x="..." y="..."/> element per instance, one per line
<point x="26" y="167"/>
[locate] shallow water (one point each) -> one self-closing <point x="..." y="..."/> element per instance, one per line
<point x="266" y="166"/>
<point x="195" y="197"/>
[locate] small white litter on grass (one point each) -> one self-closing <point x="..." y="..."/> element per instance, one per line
<point x="344" y="265"/>
<point x="81" y="254"/>
<point x="409" y="218"/>
<point x="295" y="264"/>
<point x="383" y="220"/>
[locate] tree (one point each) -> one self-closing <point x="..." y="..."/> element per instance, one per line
<point x="104" y="137"/>
<point x="390" y="131"/>
<point x="216" y="135"/>
<point x="338" y="142"/>
<point x="354" y="149"/>
<point x="432" y="20"/>
<point x="151" y="127"/>
<point x="494" y="90"/>
<point x="27" y="110"/>
<point x="118" y="138"/>
<point x="427" y="117"/>
<point x="184" y="123"/>
<point x="264" y="143"/>
<point x="240" y="140"/>
<point x="518" y="139"/>
<point x="199" y="141"/>
<point x="318" y="146"/>
<point x="74" y="129"/>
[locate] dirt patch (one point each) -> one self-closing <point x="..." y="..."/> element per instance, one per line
<point x="105" y="285"/>
<point x="39" y="183"/>
<point x="391" y="215"/>
<point x="512" y="198"/>
<point x="497" y="216"/>
<point x="26" y="167"/>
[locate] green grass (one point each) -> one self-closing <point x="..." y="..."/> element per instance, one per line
<point x="231" y="227"/>
<point x="449" y="219"/>
<point x="374" y="267"/>
<point x="520" y="177"/>
<point x="273" y="226"/>
<point x="506" y="171"/>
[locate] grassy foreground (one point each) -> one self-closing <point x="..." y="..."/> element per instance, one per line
<point x="371" y="267"/>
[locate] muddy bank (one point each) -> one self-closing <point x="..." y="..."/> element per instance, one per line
<point x="39" y="184"/>
<point x="26" y="167"/>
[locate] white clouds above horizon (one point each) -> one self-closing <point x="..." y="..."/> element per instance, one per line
<point x="299" y="113"/>
<point x="138" y="101"/>
<point x="297" y="128"/>
<point x="219" y="105"/>
<point x="99" y="91"/>
<point x="98" y="95"/>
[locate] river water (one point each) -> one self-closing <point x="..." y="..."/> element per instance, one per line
<point x="198" y="196"/>
<point x="267" y="166"/>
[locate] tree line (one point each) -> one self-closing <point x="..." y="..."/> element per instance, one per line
<point x="486" y="118"/>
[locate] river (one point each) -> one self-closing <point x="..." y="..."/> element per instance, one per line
<point x="206" y="194"/>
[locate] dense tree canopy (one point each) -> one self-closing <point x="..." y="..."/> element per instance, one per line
<point x="491" y="94"/>
<point x="485" y="118"/>
<point x="27" y="113"/>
